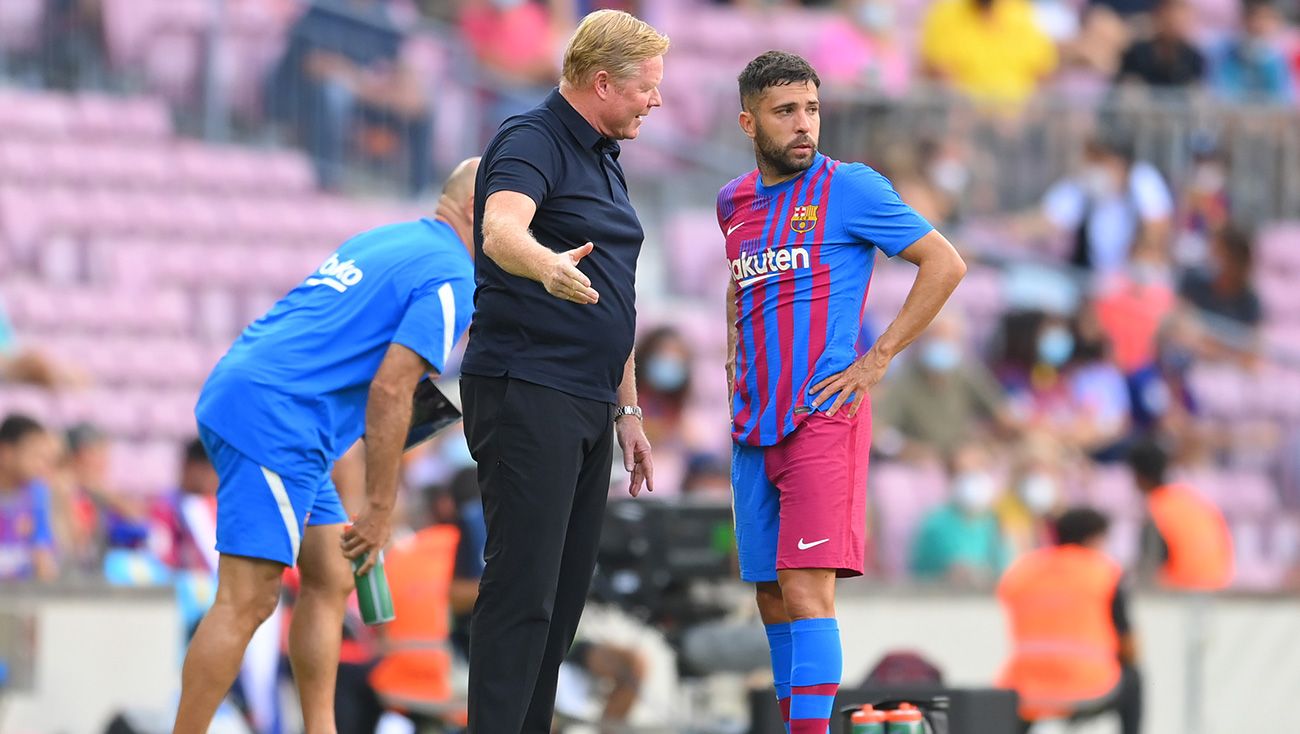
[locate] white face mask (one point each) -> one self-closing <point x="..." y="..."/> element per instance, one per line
<point x="877" y="16"/>
<point x="1098" y="182"/>
<point x="974" y="491"/>
<point x="1038" y="491"/>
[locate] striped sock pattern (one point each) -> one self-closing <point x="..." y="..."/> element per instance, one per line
<point x="779" y="646"/>
<point x="817" y="663"/>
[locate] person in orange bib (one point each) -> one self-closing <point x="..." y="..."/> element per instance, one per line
<point x="1073" y="649"/>
<point x="1187" y="540"/>
<point x="414" y="674"/>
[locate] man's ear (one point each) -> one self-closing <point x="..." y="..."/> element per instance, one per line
<point x="603" y="84"/>
<point x="748" y="124"/>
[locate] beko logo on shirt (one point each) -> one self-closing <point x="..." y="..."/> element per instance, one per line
<point x="752" y="268"/>
<point x="337" y="275"/>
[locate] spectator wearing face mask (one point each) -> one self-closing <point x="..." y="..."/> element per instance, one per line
<point x="1063" y="383"/>
<point x="1113" y="207"/>
<point x="961" y="542"/>
<point x="1028" y="511"/>
<point x="663" y="384"/>
<point x="1251" y="67"/>
<point x="942" y="401"/>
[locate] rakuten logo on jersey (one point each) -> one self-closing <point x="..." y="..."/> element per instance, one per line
<point x="750" y="269"/>
<point x="337" y="275"/>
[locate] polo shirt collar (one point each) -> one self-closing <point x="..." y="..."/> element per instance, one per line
<point x="582" y="131"/>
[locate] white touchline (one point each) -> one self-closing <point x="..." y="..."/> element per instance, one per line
<point x="734" y="227"/>
<point x="806" y="546"/>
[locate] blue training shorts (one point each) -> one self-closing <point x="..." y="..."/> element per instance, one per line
<point x="260" y="513"/>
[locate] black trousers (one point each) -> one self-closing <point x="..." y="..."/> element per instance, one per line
<point x="1125" y="701"/>
<point x="543" y="467"/>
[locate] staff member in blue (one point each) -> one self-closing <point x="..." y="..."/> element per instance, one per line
<point x="338" y="357"/>
<point x="549" y="367"/>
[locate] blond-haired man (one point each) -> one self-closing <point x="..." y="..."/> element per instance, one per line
<point x="548" y="377"/>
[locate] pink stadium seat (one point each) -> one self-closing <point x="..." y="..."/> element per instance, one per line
<point x="21" y="159"/>
<point x="35" y="115"/>
<point x="1279" y="248"/>
<point x="1111" y="489"/>
<point x="32" y="401"/>
<point x="900" y="495"/>
<point x="696" y="252"/>
<point x="216" y="315"/>
<point x="145" y="467"/>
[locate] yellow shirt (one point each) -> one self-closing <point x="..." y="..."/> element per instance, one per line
<point x="1000" y="55"/>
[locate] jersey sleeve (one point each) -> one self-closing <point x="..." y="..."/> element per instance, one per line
<point x="525" y="160"/>
<point x="42" y="529"/>
<point x="436" y="318"/>
<point x="1064" y="205"/>
<point x="871" y="210"/>
<point x="1150" y="194"/>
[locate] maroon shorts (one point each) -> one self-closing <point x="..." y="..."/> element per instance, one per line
<point x="803" y="502"/>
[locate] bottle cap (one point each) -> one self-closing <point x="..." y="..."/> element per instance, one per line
<point x="905" y="712"/>
<point x="868" y="715"/>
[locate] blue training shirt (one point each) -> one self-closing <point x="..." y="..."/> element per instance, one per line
<point x="291" y="393"/>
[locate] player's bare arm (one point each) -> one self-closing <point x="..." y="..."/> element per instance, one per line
<point x="507" y="241"/>
<point x="939" y="271"/>
<point x="631" y="435"/>
<point x="388" y="417"/>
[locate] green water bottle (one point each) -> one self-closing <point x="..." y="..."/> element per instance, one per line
<point x="867" y="720"/>
<point x="373" y="596"/>
<point x="906" y="719"/>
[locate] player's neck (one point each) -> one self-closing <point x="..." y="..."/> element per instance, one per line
<point x="772" y="177"/>
<point x="457" y="219"/>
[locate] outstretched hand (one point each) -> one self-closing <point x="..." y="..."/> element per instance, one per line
<point x="562" y="278"/>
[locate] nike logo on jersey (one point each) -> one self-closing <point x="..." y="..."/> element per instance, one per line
<point x="337" y="275"/>
<point x="734" y="227"/>
<point x="748" y="269"/>
<point x="815" y="543"/>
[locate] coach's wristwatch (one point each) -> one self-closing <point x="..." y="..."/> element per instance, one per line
<point x="631" y="410"/>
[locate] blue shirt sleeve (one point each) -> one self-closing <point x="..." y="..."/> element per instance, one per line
<point x="524" y="160"/>
<point x="438" y="315"/>
<point x="42" y="534"/>
<point x="871" y="211"/>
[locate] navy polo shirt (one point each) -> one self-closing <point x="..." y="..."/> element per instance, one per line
<point x="553" y="156"/>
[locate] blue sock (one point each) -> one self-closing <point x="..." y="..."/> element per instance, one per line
<point x="779" y="645"/>
<point x="817" y="663"/>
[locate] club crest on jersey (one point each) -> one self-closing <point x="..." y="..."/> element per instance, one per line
<point x="804" y="218"/>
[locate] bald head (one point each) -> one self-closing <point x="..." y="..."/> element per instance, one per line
<point x="459" y="186"/>
<point x="456" y="205"/>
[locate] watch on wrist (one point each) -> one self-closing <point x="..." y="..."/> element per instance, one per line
<point x="631" y="410"/>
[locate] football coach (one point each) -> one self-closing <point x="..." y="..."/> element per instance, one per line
<point x="547" y="376"/>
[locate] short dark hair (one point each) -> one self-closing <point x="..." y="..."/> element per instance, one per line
<point x="1079" y="525"/>
<point x="1252" y="6"/>
<point x="1238" y="242"/>
<point x="774" y="69"/>
<point x="17" y="426"/>
<point x="1148" y="460"/>
<point x="195" y="453"/>
<point x="83" y="435"/>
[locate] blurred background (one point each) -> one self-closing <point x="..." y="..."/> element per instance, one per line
<point x="1122" y="176"/>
